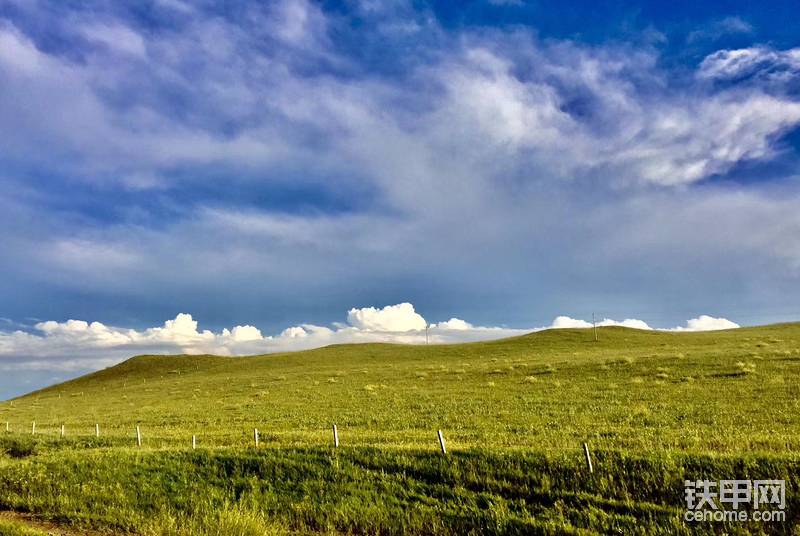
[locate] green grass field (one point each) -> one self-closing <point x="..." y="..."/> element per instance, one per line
<point x="654" y="407"/>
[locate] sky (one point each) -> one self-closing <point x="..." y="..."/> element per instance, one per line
<point x="246" y="177"/>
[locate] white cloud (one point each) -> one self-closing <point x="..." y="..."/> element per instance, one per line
<point x="294" y="332"/>
<point x="300" y="23"/>
<point x="679" y="148"/>
<point x="400" y="317"/>
<point x="720" y="28"/>
<point x="246" y="333"/>
<point x="453" y="323"/>
<point x="317" y="330"/>
<point x="727" y="64"/>
<point x="735" y="25"/>
<point x="488" y="132"/>
<point x="561" y="322"/>
<point x="635" y="133"/>
<point x="181" y="331"/>
<point x="512" y="112"/>
<point x="18" y="52"/>
<point x="701" y="323"/>
<point x="78" y="345"/>
<point x="175" y="5"/>
<point x="654" y="136"/>
<point x="57" y="345"/>
<point x="627" y="323"/>
<point x="707" y="323"/>
<point x="81" y="332"/>
<point x="116" y="37"/>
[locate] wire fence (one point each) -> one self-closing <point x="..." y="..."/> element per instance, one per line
<point x="335" y="437"/>
<point x="249" y="435"/>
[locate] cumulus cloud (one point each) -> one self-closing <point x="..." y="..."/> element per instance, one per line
<point x="701" y="323"/>
<point x="707" y="323"/>
<point x="180" y="333"/>
<point x="627" y="323"/>
<point x="294" y="332"/>
<point x="244" y="333"/>
<point x="561" y="322"/>
<point x="400" y="317"/>
<point x="78" y="331"/>
<point x="77" y="345"/>
<point x="453" y="323"/>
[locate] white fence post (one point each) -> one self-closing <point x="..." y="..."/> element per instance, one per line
<point x="138" y="436"/>
<point x="441" y="443"/>
<point x="335" y="437"/>
<point x="588" y="457"/>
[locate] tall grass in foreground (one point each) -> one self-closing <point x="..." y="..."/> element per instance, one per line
<point x="368" y="491"/>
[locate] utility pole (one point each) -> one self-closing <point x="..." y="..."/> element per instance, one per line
<point x="594" y="325"/>
<point x="426" y="333"/>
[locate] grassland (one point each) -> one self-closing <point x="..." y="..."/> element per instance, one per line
<point x="655" y="408"/>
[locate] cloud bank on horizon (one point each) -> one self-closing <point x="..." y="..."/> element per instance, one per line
<point x="77" y="345"/>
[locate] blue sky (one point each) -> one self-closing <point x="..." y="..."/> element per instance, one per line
<point x="274" y="165"/>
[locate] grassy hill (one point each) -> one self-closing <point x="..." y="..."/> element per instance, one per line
<point x="655" y="407"/>
<point x="732" y="391"/>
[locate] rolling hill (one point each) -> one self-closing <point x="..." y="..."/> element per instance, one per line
<point x="655" y="408"/>
<point x="736" y="390"/>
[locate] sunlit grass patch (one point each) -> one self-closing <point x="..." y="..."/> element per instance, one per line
<point x="746" y="368"/>
<point x="10" y="527"/>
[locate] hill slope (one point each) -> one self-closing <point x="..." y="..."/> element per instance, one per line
<point x="514" y="413"/>
<point x="718" y="391"/>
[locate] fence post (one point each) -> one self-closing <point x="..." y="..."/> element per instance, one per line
<point x="62" y="431"/>
<point x="194" y="442"/>
<point x="255" y="436"/>
<point x="335" y="437"/>
<point x="138" y="436"/>
<point x="7" y="427"/>
<point x="33" y="428"/>
<point x="588" y="457"/>
<point x="97" y="430"/>
<point x="441" y="443"/>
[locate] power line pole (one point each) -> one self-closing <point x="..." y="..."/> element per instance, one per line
<point x="594" y="325"/>
<point x="426" y="334"/>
